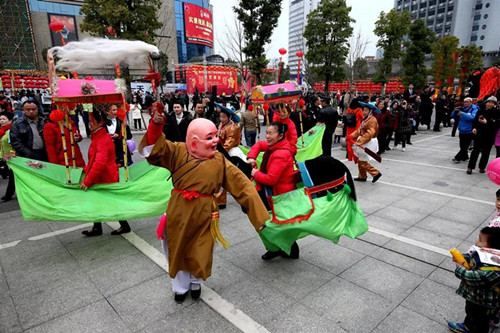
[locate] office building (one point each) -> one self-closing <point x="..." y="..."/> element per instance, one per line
<point x="297" y="21"/>
<point x="473" y="22"/>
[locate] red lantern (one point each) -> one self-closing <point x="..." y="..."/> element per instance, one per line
<point x="121" y="114"/>
<point x="299" y="54"/>
<point x="265" y="106"/>
<point x="302" y="103"/>
<point x="56" y="26"/>
<point x="282" y="51"/>
<point x="250" y="107"/>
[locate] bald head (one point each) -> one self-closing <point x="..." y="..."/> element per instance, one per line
<point x="201" y="138"/>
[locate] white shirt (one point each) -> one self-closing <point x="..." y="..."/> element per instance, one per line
<point x="178" y="117"/>
<point x="112" y="127"/>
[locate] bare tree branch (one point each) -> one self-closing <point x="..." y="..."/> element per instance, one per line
<point x="357" y="47"/>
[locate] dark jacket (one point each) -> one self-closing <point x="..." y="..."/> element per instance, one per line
<point x="488" y="131"/>
<point x="177" y="132"/>
<point x="21" y="136"/>
<point x="330" y="117"/>
<point x="118" y="142"/>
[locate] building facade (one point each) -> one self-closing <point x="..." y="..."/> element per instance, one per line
<point x="26" y="36"/>
<point x="297" y="21"/>
<point x="188" y="50"/>
<point x="473" y="22"/>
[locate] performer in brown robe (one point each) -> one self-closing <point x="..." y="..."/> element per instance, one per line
<point x="229" y="138"/>
<point x="198" y="172"/>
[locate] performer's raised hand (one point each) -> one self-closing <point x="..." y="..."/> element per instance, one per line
<point x="158" y="117"/>
<point x="84" y="187"/>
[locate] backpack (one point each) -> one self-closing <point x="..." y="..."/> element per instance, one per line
<point x="350" y="120"/>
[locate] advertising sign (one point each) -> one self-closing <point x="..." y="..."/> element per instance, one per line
<point x="198" y="25"/>
<point x="225" y="78"/>
<point x="69" y="32"/>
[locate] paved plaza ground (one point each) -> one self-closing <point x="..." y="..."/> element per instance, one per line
<point x="398" y="277"/>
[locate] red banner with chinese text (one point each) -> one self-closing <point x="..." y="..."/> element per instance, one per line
<point x="225" y="78"/>
<point x="198" y="25"/>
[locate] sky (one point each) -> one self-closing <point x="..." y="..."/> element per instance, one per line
<point x="365" y="12"/>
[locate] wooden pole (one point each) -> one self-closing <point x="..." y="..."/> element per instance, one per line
<point x="72" y="140"/>
<point x="66" y="163"/>
<point x="125" y="148"/>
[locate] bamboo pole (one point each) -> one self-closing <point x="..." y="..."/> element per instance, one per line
<point x="66" y="163"/>
<point x="72" y="140"/>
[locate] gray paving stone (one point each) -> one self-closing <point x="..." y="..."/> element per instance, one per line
<point x="436" y="301"/>
<point x="43" y="305"/>
<point x="370" y="206"/>
<point x="42" y="273"/>
<point x="357" y="245"/>
<point x="446" y="277"/>
<point x="253" y="296"/>
<point x="330" y="257"/>
<point x="302" y="319"/>
<point x="402" y="261"/>
<point x="386" y="224"/>
<point x="374" y="238"/>
<point x="383" y="279"/>
<point x="15" y="228"/>
<point x="432" y="258"/>
<point x="474" y="206"/>
<point x="27" y="251"/>
<point x="9" y="321"/>
<point x="353" y="308"/>
<point x="122" y="274"/>
<point x="224" y="274"/>
<point x="401" y="215"/>
<point x="95" y="317"/>
<point x="473" y="218"/>
<point x="405" y="320"/>
<point x="445" y="227"/>
<point x="182" y="321"/>
<point x="420" y="206"/>
<point x="439" y="240"/>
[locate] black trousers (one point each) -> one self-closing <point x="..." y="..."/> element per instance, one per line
<point x="483" y="146"/>
<point x="465" y="140"/>
<point x="477" y="318"/>
<point x="455" y="126"/>
<point x="11" y="185"/>
<point x="326" y="143"/>
<point x="439" y="120"/>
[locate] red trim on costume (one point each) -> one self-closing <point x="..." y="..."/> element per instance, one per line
<point x="190" y="195"/>
<point x="326" y="186"/>
<point x="153" y="133"/>
<point x="294" y="219"/>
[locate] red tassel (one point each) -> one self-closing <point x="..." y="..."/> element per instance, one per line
<point x="56" y="115"/>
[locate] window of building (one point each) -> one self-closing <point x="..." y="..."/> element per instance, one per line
<point x="431" y="12"/>
<point x="477" y="17"/>
<point x="423" y="5"/>
<point x="414" y="7"/>
<point x="441" y="10"/>
<point x="440" y="20"/>
<point x="482" y="37"/>
<point x="479" y="6"/>
<point x="483" y="27"/>
<point x="450" y="8"/>
<point x="487" y="5"/>
<point x="485" y="16"/>
<point x="473" y="38"/>
<point x="475" y="28"/>
<point x="480" y="47"/>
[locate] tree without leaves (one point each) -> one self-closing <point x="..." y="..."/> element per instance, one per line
<point x="390" y="28"/>
<point x="232" y="46"/>
<point x="327" y="32"/>
<point x="357" y="47"/>
<point x="444" y="65"/>
<point x="259" y="18"/>
<point x="420" y="40"/>
<point x="360" y="69"/>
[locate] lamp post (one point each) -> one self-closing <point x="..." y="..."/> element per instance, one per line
<point x="299" y="54"/>
<point x="282" y="52"/>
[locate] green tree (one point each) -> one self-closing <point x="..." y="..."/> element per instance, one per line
<point x="444" y="66"/>
<point x="163" y="68"/>
<point x="259" y="18"/>
<point x="284" y="73"/>
<point x="390" y="28"/>
<point x="471" y="58"/>
<point x="360" y="69"/>
<point x="130" y="19"/>
<point x="420" y="39"/>
<point x="327" y="32"/>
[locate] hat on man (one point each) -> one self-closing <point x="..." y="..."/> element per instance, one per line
<point x="229" y="111"/>
<point x="325" y="99"/>
<point x="491" y="99"/>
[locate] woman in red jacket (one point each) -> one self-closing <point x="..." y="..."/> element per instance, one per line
<point x="276" y="171"/>
<point x="54" y="146"/>
<point x="102" y="167"/>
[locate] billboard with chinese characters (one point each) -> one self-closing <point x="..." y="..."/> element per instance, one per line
<point x="198" y="25"/>
<point x="69" y="32"/>
<point x="225" y="78"/>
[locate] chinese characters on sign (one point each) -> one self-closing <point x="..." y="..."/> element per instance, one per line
<point x="198" y="25"/>
<point x="223" y="77"/>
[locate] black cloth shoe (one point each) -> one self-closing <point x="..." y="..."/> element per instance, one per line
<point x="6" y="198"/>
<point x="360" y="179"/>
<point x="121" y="230"/>
<point x="195" y="294"/>
<point x="180" y="298"/>
<point x="294" y="252"/>
<point x="270" y="255"/>
<point x="92" y="232"/>
<point x="377" y="177"/>
<point x="222" y="206"/>
<point x="482" y="171"/>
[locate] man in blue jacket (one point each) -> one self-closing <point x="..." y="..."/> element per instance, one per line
<point x="466" y="116"/>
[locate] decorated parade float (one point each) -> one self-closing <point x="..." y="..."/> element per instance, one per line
<point x="51" y="192"/>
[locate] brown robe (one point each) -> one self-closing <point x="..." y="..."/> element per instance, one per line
<point x="190" y="243"/>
